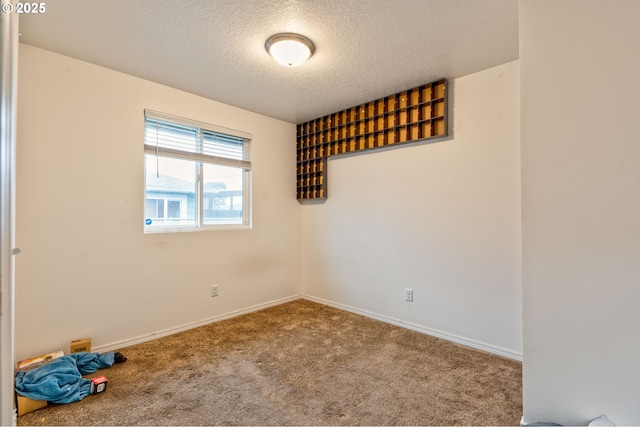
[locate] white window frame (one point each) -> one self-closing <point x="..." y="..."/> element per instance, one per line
<point x="153" y="147"/>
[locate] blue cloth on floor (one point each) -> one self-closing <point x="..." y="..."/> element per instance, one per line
<point x="60" y="381"/>
<point x="88" y="363"/>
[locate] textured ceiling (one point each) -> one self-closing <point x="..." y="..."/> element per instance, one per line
<point x="365" y="49"/>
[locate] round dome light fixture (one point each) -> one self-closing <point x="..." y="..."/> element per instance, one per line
<point x="289" y="49"/>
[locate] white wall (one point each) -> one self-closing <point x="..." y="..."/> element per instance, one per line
<point x="441" y="218"/>
<point x="581" y="210"/>
<point x="86" y="268"/>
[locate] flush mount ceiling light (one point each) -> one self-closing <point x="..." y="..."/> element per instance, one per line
<point x="289" y="49"/>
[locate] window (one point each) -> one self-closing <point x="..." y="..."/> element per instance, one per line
<point x="156" y="209"/>
<point x="196" y="175"/>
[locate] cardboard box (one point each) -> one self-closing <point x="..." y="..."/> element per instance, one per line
<point x="26" y="405"/>
<point x="34" y="362"/>
<point x="81" y="345"/>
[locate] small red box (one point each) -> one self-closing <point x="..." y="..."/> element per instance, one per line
<point x="98" y="384"/>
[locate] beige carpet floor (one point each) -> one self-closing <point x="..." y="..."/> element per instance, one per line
<point x="299" y="363"/>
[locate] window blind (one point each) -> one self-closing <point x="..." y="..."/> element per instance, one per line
<point x="191" y="140"/>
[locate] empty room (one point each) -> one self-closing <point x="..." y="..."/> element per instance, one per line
<point x="428" y="215"/>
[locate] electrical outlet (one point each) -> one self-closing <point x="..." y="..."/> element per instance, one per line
<point x="214" y="290"/>
<point x="408" y="295"/>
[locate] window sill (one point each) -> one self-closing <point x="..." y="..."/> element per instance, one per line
<point x="227" y="227"/>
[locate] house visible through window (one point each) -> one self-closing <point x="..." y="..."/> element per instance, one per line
<point x="158" y="209"/>
<point x="155" y="208"/>
<point x="196" y="175"/>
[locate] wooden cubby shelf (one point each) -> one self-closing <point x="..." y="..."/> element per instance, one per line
<point x="408" y="116"/>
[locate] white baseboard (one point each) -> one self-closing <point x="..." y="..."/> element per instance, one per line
<point x="155" y="335"/>
<point x="428" y="331"/>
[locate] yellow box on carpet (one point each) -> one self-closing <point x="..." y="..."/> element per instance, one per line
<point x="34" y="362"/>
<point x="26" y="405"/>
<point x="81" y="345"/>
